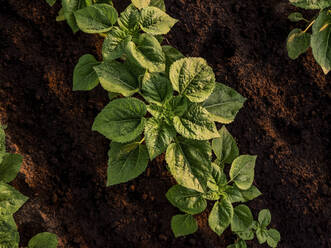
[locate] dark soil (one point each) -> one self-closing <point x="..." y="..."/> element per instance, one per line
<point x="286" y="122"/>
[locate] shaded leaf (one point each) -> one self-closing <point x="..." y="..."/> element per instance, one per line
<point x="296" y="17"/>
<point x="220" y="216"/>
<point x="298" y="43"/>
<point x="172" y="55"/>
<point x="183" y="224"/>
<point x="9" y="236"/>
<point x="10" y="166"/>
<point x="156" y="88"/>
<point x="43" y="240"/>
<point x="69" y="6"/>
<point x="85" y="77"/>
<point x="242" y="218"/>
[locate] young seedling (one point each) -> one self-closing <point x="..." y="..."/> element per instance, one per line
<point x="11" y="201"/>
<point x="299" y="41"/>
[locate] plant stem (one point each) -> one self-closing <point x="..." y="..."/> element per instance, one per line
<point x="103" y="35"/>
<point x="143" y="139"/>
<point x="309" y="26"/>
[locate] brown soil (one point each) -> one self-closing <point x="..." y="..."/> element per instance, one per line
<point x="286" y="122"/>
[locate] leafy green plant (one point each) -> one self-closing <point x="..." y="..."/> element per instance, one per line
<point x="11" y="200"/>
<point x="162" y="102"/>
<point x="319" y="40"/>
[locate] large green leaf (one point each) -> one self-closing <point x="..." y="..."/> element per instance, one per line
<point x="224" y="103"/>
<point x="114" y="45"/>
<point x="195" y="124"/>
<point x="264" y="218"/>
<point x="242" y="218"/>
<point x="187" y="200"/>
<point x="158" y="135"/>
<point x="141" y="3"/>
<point x="147" y="53"/>
<point x="85" y="77"/>
<point x="183" y="224"/>
<point x="9" y="236"/>
<point x="311" y="4"/>
<point x="220" y="216"/>
<point x="69" y="6"/>
<point x="122" y="120"/>
<point x="10" y="200"/>
<point x="321" y="40"/>
<point x="156" y="88"/>
<point x="51" y="2"/>
<point x="159" y="4"/>
<point x="192" y="77"/>
<point x="43" y="240"/>
<point x="242" y="171"/>
<point x="225" y="147"/>
<point x="172" y="55"/>
<point x="115" y="77"/>
<point x="10" y="166"/>
<point x="297" y="43"/>
<point x="129" y="18"/>
<point x="155" y="21"/>
<point x="189" y="162"/>
<point x="126" y="162"/>
<point x="273" y="237"/>
<point x="97" y="18"/>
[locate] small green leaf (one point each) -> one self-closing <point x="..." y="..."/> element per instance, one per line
<point x="10" y="166"/>
<point x="234" y="194"/>
<point x="51" y="2"/>
<point x="195" y="124"/>
<point x="85" y="77"/>
<point x="296" y="17"/>
<point x="129" y="18"/>
<point x="155" y="21"/>
<point x="193" y="78"/>
<point x="122" y="120"/>
<point x="261" y="235"/>
<point x="187" y="200"/>
<point x="220" y="216"/>
<point x="69" y="6"/>
<point x="183" y="224"/>
<point x="10" y="200"/>
<point x="97" y="18"/>
<point x="158" y="136"/>
<point x="43" y="240"/>
<point x="115" y="77"/>
<point x="298" y="43"/>
<point x="224" y="103"/>
<point x="188" y="162"/>
<point x="246" y="235"/>
<point x="216" y="177"/>
<point x="311" y="4"/>
<point x="225" y="147"/>
<point x="172" y="55"/>
<point x="126" y="162"/>
<point x="114" y="45"/>
<point x="242" y="218"/>
<point x="240" y="244"/>
<point x="250" y="193"/>
<point x="264" y="218"/>
<point x="60" y="16"/>
<point x="141" y="3"/>
<point x="156" y="88"/>
<point x="273" y="237"/>
<point x="9" y="236"/>
<point x="242" y="171"/>
<point x="321" y="40"/>
<point x="159" y="4"/>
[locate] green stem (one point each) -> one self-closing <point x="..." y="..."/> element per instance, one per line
<point x="311" y="24"/>
<point x="143" y="139"/>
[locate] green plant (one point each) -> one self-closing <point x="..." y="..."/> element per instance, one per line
<point x="11" y="200"/>
<point x="299" y="41"/>
<point x="162" y="102"/>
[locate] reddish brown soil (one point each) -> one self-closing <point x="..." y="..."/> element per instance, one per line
<point x="286" y="122"/>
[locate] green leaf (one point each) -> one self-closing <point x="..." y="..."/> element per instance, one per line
<point x="159" y="4"/>
<point x="216" y="177"/>
<point x="129" y="18"/>
<point x="311" y="4"/>
<point x="172" y="55"/>
<point x="122" y="120"/>
<point x="250" y="193"/>
<point x="296" y="17"/>
<point x="10" y="200"/>
<point x="115" y="77"/>
<point x="193" y="78"/>
<point x="234" y="194"/>
<point x="242" y="218"/>
<point x="242" y="171"/>
<point x="273" y="237"/>
<point x="9" y="236"/>
<point x="10" y="166"/>
<point x="224" y="103"/>
<point x="240" y="244"/>
<point x="155" y="110"/>
<point x="188" y="162"/>
<point x="114" y="45"/>
<point x="141" y="3"/>
<point x="321" y="40"/>
<point x="264" y="218"/>
<point x="178" y="105"/>
<point x="97" y="18"/>
<point x="43" y="240"/>
<point x="220" y="216"/>
<point x="246" y="235"/>
<point x="147" y="53"/>
<point x="195" y="124"/>
<point x="261" y="235"/>
<point x="60" y="16"/>
<point x="187" y="200"/>
<point x="126" y="162"/>
<point x="85" y="77"/>
<point x="69" y="6"/>
<point x="297" y="43"/>
<point x="183" y="224"/>
<point x="113" y="95"/>
<point x="51" y="2"/>
<point x="156" y="88"/>
<point x="158" y="136"/>
<point x="155" y="21"/>
<point x="225" y="147"/>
